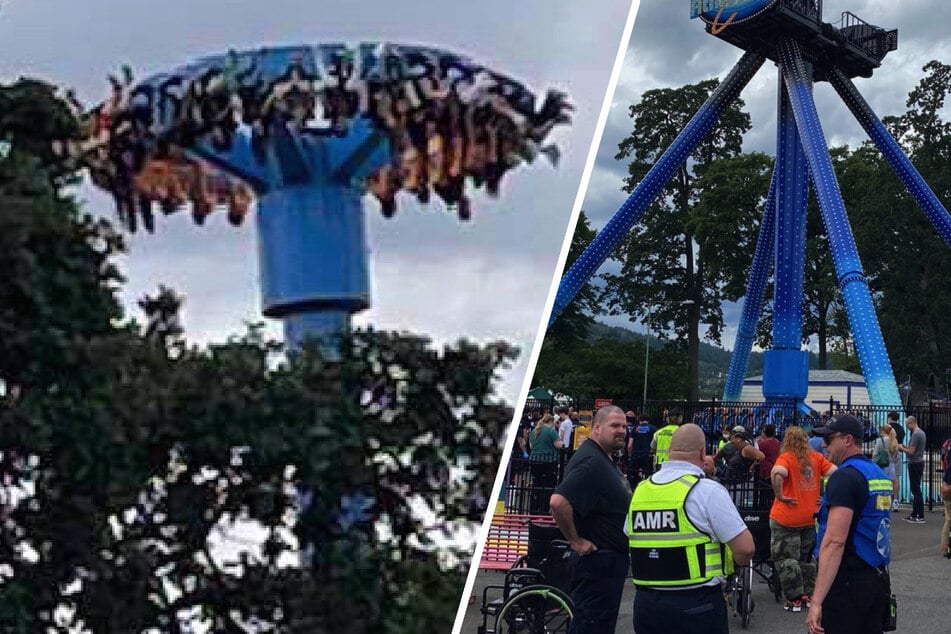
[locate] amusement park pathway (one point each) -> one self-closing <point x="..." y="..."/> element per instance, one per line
<point x="920" y="579"/>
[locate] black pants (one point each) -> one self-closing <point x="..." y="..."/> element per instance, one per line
<point x="915" y="471"/>
<point x="698" y="611"/>
<point x="856" y="601"/>
<point x="597" y="583"/>
<point x="639" y="468"/>
<point x="544" y="479"/>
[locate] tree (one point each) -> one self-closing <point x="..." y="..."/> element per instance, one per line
<point x="665" y="270"/>
<point x="127" y="456"/>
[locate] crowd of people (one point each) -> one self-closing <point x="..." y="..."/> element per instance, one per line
<point x="669" y="517"/>
<point x="447" y="121"/>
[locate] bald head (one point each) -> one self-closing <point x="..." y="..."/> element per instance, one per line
<point x="688" y="444"/>
<point x="601" y="416"/>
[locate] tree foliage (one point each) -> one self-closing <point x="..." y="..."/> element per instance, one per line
<point x="666" y="266"/>
<point x="133" y="466"/>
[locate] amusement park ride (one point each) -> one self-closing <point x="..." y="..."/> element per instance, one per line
<point x="791" y="34"/>
<point x="306" y="131"/>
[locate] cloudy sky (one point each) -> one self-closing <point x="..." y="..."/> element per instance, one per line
<point x="488" y="279"/>
<point x="668" y="49"/>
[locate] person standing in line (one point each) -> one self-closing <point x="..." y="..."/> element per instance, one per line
<point x="661" y="440"/>
<point x="900" y="438"/>
<point x="915" y="451"/>
<point x="565" y="426"/>
<point x="853" y="547"/>
<point x="745" y="456"/>
<point x="682" y="528"/>
<point x="889" y="444"/>
<point x="589" y="506"/>
<point x="946" y="496"/>
<point x="795" y="479"/>
<point x="545" y="444"/>
<point x="768" y="444"/>
<point x="816" y="443"/>
<point x="639" y="451"/>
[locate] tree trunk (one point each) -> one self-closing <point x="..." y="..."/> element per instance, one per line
<point x="693" y="351"/>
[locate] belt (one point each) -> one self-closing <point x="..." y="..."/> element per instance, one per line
<point x="701" y="590"/>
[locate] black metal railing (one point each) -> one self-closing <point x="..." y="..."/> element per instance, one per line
<point x="811" y="9"/>
<point x="529" y="485"/>
<point x="874" y="40"/>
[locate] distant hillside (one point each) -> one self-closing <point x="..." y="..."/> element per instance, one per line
<point x="709" y="354"/>
<point x="714" y="361"/>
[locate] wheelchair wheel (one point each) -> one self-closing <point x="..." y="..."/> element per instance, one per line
<point x="535" y="610"/>
<point x="742" y="594"/>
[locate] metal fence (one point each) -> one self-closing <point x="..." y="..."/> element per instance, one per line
<point x="528" y="485"/>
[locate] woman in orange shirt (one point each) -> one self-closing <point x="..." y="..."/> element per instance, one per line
<point x="796" y="480"/>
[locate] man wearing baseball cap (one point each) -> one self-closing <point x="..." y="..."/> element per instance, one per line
<point x="853" y="544"/>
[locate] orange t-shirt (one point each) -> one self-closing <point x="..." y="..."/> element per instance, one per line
<point x="803" y="486"/>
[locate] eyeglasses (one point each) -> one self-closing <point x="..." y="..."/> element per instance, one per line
<point x="828" y="439"/>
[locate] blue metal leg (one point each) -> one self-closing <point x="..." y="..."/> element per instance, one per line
<point x="786" y="366"/>
<point x="893" y="153"/>
<point x="792" y="197"/>
<point x="869" y="342"/>
<point x="753" y="301"/>
<point x="611" y="235"/>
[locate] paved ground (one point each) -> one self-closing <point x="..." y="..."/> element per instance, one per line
<point x="921" y="579"/>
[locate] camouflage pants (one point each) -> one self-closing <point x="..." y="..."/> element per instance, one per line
<point x="791" y="549"/>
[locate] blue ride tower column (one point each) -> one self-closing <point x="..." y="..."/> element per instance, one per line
<point x="869" y="343"/>
<point x="786" y="366"/>
<point x="753" y="299"/>
<point x="312" y="244"/>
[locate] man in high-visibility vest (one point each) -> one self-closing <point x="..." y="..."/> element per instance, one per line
<point x="683" y="530"/>
<point x="660" y="444"/>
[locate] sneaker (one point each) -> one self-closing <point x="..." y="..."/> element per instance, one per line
<point x="919" y="520"/>
<point x="911" y="519"/>
<point x="793" y="606"/>
<point x="807" y="600"/>
<point x="895" y="505"/>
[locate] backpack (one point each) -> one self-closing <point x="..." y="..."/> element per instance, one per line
<point x="945" y="451"/>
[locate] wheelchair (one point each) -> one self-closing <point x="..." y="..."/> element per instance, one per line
<point x="753" y="499"/>
<point x="532" y="598"/>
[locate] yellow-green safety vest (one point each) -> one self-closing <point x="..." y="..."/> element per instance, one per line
<point x="663" y="436"/>
<point x="667" y="550"/>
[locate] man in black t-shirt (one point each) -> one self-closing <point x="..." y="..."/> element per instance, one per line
<point x="590" y="506"/>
